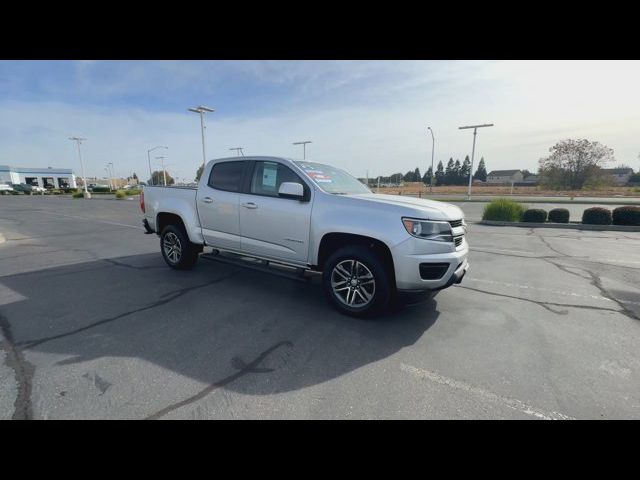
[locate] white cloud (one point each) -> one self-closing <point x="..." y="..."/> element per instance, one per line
<point x="360" y="115"/>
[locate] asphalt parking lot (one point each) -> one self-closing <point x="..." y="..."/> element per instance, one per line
<point x="94" y="325"/>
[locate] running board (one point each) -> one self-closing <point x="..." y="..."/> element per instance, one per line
<point x="294" y="273"/>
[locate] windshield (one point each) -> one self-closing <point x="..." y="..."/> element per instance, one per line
<point x="332" y="179"/>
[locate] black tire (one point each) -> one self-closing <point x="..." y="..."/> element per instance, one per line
<point x="186" y="256"/>
<point x="368" y="264"/>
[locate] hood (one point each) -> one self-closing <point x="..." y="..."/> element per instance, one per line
<point x="417" y="207"/>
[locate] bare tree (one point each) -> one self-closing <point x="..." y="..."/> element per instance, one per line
<point x="574" y="162"/>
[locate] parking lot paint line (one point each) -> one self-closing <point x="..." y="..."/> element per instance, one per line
<point x="500" y="250"/>
<point x="512" y="403"/>
<point x="78" y="217"/>
<point x="550" y="290"/>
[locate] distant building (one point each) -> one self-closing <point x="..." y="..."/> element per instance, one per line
<point x="42" y="177"/>
<point x="531" y="179"/>
<point x="619" y="175"/>
<point x="504" y="176"/>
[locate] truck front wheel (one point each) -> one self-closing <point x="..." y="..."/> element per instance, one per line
<point x="355" y="281"/>
<point x="177" y="250"/>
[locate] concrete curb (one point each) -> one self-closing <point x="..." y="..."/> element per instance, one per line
<point x="569" y="226"/>
<point x="577" y="201"/>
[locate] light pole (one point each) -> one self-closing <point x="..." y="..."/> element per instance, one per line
<point x="106" y="169"/>
<point x="473" y="151"/>
<point x="164" y="172"/>
<point x="239" y="150"/>
<point x="149" y="158"/>
<point x="78" y="141"/>
<point x="433" y="147"/>
<point x="201" y="109"/>
<point x="304" y="148"/>
<point x="113" y="175"/>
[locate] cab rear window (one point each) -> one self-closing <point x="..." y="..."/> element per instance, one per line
<point x="227" y="176"/>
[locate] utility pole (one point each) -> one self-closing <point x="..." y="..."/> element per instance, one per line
<point x="433" y="147"/>
<point x="78" y="141"/>
<point x="201" y="109"/>
<point x="475" y="130"/>
<point x="304" y="148"/>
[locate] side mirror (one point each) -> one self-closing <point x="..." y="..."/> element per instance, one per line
<point x="291" y="190"/>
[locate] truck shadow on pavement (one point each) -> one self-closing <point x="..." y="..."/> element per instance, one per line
<point x="221" y="325"/>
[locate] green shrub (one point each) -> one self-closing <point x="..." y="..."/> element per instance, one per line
<point x="559" y="215"/>
<point x="596" y="216"/>
<point x="535" y="215"/>
<point x="503" y="209"/>
<point x="100" y="189"/>
<point x="120" y="194"/>
<point x="627" y="215"/>
<point x="77" y="195"/>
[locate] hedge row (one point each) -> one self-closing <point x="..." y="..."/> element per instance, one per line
<point x="510" y="211"/>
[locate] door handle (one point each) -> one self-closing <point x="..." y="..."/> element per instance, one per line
<point x="207" y="200"/>
<point x="250" y="205"/>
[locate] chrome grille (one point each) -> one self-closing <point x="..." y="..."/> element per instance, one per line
<point x="455" y="223"/>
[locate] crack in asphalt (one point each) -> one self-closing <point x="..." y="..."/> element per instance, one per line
<point x="126" y="265"/>
<point x="243" y="369"/>
<point x="551" y="248"/>
<point x="169" y="297"/>
<point x="596" y="281"/>
<point x="545" y="305"/>
<point x="23" y="372"/>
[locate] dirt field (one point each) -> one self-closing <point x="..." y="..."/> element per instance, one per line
<point x="415" y="188"/>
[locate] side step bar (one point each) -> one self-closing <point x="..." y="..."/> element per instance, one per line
<point x="265" y="266"/>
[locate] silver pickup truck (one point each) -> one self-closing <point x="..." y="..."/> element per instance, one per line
<point x="310" y="216"/>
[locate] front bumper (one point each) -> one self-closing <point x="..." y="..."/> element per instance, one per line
<point x="407" y="264"/>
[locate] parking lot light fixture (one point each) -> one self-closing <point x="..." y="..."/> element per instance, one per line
<point x="113" y="174"/>
<point x="201" y="109"/>
<point x="239" y="150"/>
<point x="433" y="147"/>
<point x="78" y="141"/>
<point x="149" y="158"/>
<point x="473" y="150"/>
<point x="304" y="148"/>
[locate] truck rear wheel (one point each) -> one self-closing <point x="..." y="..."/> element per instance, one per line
<point x="177" y="250"/>
<point x="355" y="281"/>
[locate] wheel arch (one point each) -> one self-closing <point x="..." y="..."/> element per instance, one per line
<point x="333" y="241"/>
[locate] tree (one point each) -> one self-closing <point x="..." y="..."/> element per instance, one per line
<point x="481" y="172"/>
<point x="573" y="163"/>
<point x="157" y="178"/>
<point x="395" y="178"/>
<point x="449" y="173"/>
<point x="440" y="175"/>
<point x="465" y="170"/>
<point x="408" y="177"/>
<point x="199" y="173"/>
<point x="135" y="177"/>
<point x="457" y="177"/>
<point x="427" y="177"/>
<point x="416" y="175"/>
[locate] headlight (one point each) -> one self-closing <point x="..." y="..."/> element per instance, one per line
<point x="428" y="230"/>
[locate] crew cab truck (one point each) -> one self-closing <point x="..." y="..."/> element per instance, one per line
<point x="312" y="216"/>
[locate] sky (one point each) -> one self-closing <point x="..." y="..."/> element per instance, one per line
<point x="363" y="116"/>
